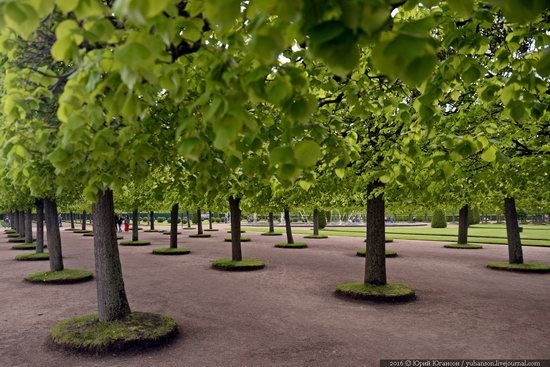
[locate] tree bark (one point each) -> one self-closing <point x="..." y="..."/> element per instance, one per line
<point x="39" y="225"/>
<point x="152" y="220"/>
<point x="515" y="251"/>
<point x="271" y="223"/>
<point x="315" y="222"/>
<point x="234" y="208"/>
<point x="135" y="224"/>
<point x="289" y="238"/>
<point x="209" y="220"/>
<point x="188" y="219"/>
<point x="463" y="225"/>
<point x="174" y="226"/>
<point x="199" y="222"/>
<point x="22" y="230"/>
<point x="111" y="296"/>
<point x="84" y="220"/>
<point x="12" y="220"/>
<point x="54" y="238"/>
<point x="28" y="226"/>
<point x="71" y="215"/>
<point x="375" y="259"/>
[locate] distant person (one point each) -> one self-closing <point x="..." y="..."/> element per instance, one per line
<point x="60" y="220"/>
<point x="126" y="224"/>
<point x="118" y="223"/>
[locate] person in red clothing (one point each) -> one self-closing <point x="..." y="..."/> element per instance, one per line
<point x="126" y="224"/>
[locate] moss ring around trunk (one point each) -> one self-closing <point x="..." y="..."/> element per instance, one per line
<point x="313" y="236"/>
<point x="25" y="246"/>
<point x="88" y="234"/>
<point x="150" y="230"/>
<point x="525" y="268"/>
<point x="135" y="243"/>
<point x="243" y="239"/>
<point x="168" y="233"/>
<point x="241" y="231"/>
<point x="66" y="276"/>
<point x="387" y="240"/>
<point x="16" y="240"/>
<point x="391" y="292"/>
<point x="82" y="231"/>
<point x="272" y="234"/>
<point x="197" y="235"/>
<point x="14" y="235"/>
<point x="40" y="256"/>
<point x="134" y="332"/>
<point x="70" y="229"/>
<point x="8" y="231"/>
<point x="171" y="251"/>
<point x="211" y="230"/>
<point x="467" y="246"/>
<point x="290" y="245"/>
<point x="389" y="253"/>
<point x="243" y="265"/>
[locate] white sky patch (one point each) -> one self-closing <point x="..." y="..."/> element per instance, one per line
<point x="283" y="59"/>
<point x="394" y="12"/>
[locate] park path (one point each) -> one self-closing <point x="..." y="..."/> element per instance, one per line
<point x="287" y="315"/>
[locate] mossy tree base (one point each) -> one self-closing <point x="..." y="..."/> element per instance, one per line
<point x="203" y="235"/>
<point x="290" y="245"/>
<point x="88" y="235"/>
<point x="70" y="229"/>
<point x="135" y="243"/>
<point x="243" y="239"/>
<point x="13" y="235"/>
<point x="272" y="234"/>
<point x="25" y="246"/>
<point x="171" y="251"/>
<point x="67" y="276"/>
<point x="524" y="268"/>
<point x="319" y="236"/>
<point x="211" y="230"/>
<point x="467" y="246"/>
<point x="168" y="233"/>
<point x="136" y="331"/>
<point x="8" y="231"/>
<point x="82" y="231"/>
<point x="16" y="240"/>
<point x="241" y="231"/>
<point x="387" y="240"/>
<point x="33" y="257"/>
<point x="188" y="228"/>
<point x="244" y="265"/>
<point x="151" y="230"/>
<point x="391" y="292"/>
<point x="389" y="253"/>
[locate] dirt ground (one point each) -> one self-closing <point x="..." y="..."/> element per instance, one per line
<point x="287" y="314"/>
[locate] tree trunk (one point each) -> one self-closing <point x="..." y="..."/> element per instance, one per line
<point x="111" y="296"/>
<point x="271" y="223"/>
<point x="289" y="238"/>
<point x="315" y="222"/>
<point x="174" y="226"/>
<point x="152" y="220"/>
<point x="209" y="220"/>
<point x="22" y="224"/>
<point x="84" y="220"/>
<point x="28" y="226"/>
<point x="135" y="224"/>
<point x="515" y="252"/>
<point x="199" y="222"/>
<point x="236" y="253"/>
<point x="463" y="225"/>
<point x="71" y="215"/>
<point x="39" y="225"/>
<point x="12" y="220"/>
<point x="375" y="259"/>
<point x="54" y="238"/>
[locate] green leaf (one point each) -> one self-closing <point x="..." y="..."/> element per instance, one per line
<point x="222" y="13"/>
<point x="543" y="66"/>
<point x="307" y="153"/>
<point x="464" y="8"/>
<point x="489" y="154"/>
<point x="67" y="5"/>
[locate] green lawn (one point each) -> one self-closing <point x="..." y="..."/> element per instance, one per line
<point x="532" y="235"/>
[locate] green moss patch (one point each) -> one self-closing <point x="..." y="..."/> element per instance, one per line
<point x="171" y="251"/>
<point x="319" y="236"/>
<point x="119" y="237"/>
<point x="526" y="268"/>
<point x="387" y="240"/>
<point x="243" y="239"/>
<point x="135" y="243"/>
<point x="151" y="230"/>
<point x="71" y="229"/>
<point x="389" y="253"/>
<point x="202" y="235"/>
<point x="13" y="235"/>
<point x="25" y="246"/>
<point x="241" y="231"/>
<point x="16" y="240"/>
<point x="8" y="231"/>
<point x="188" y="228"/>
<point x="33" y="257"/>
<point x="467" y="246"/>
<point x="88" y="234"/>
<point x="243" y="265"/>
<point x="60" y="277"/>
<point x="272" y="234"/>
<point x="391" y="292"/>
<point x="168" y="233"/>
<point x="211" y="230"/>
<point x="136" y="331"/>
<point x="290" y="245"/>
<point x="81" y="231"/>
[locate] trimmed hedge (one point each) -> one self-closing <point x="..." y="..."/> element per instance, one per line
<point x="438" y="219"/>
